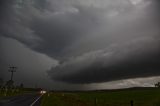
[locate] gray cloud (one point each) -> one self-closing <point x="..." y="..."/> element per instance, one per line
<point x="31" y="65"/>
<point x="136" y="82"/>
<point x="96" y="40"/>
<point x="119" y="61"/>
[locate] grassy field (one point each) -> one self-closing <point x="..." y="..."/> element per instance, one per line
<point x="10" y="92"/>
<point x="140" y="97"/>
<point x="4" y="93"/>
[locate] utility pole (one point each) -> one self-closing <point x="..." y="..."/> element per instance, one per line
<point x="12" y="70"/>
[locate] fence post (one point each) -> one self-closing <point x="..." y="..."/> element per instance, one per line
<point x="131" y="102"/>
<point x="95" y="101"/>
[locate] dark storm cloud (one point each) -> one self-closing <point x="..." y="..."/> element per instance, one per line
<point x="15" y="22"/>
<point x="97" y="40"/>
<point x="60" y="31"/>
<point x="115" y="63"/>
<point x="47" y="28"/>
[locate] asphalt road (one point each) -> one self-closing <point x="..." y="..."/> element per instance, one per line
<point x="23" y="100"/>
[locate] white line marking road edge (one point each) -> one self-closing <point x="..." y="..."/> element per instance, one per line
<point x="36" y="100"/>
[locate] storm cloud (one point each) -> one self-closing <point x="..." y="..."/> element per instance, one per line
<point x="93" y="40"/>
<point x="117" y="62"/>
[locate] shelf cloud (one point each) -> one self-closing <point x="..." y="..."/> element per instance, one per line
<point x="93" y="41"/>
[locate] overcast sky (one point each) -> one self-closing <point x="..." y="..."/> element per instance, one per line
<point x="80" y="44"/>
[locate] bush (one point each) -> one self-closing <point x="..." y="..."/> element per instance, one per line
<point x="157" y="84"/>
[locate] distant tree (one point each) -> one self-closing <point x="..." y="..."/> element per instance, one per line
<point x="9" y="84"/>
<point x="1" y="82"/>
<point x="157" y="84"/>
<point x="21" y="85"/>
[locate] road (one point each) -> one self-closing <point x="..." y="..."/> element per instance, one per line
<point x="23" y="100"/>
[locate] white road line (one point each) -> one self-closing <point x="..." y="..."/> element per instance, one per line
<point x="36" y="100"/>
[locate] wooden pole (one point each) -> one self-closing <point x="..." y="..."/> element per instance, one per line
<point x="131" y="102"/>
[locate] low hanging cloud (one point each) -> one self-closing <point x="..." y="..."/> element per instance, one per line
<point x="120" y="61"/>
<point x="93" y="40"/>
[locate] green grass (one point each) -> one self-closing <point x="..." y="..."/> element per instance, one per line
<point x="7" y="93"/>
<point x="12" y="92"/>
<point x="141" y="97"/>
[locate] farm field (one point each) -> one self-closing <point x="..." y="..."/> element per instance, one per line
<point x="139" y="96"/>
